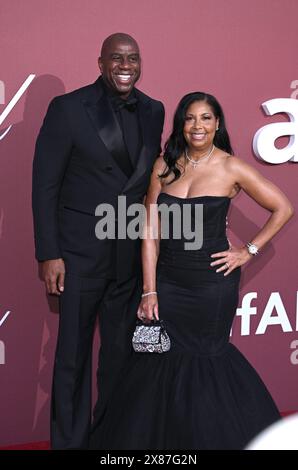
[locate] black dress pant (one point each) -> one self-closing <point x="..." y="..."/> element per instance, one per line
<point x="80" y="303"/>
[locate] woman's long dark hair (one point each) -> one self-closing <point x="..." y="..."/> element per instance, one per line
<point x="176" y="143"/>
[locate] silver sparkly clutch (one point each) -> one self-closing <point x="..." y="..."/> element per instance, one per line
<point x="151" y="337"/>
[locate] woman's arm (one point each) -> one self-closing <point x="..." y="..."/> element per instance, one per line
<point x="148" y="308"/>
<point x="267" y="195"/>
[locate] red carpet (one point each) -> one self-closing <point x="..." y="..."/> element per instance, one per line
<point x="29" y="446"/>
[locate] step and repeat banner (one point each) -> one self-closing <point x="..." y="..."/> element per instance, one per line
<point x="245" y="53"/>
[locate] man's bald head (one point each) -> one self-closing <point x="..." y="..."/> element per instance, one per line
<point x="120" y="63"/>
<point x="116" y="38"/>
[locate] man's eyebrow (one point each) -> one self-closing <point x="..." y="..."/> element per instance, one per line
<point x="124" y="53"/>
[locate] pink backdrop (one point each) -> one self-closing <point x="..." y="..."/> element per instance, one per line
<point x="244" y="52"/>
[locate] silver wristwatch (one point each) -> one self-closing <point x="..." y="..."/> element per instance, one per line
<point x="252" y="249"/>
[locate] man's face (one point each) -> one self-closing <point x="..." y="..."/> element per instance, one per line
<point x="120" y="65"/>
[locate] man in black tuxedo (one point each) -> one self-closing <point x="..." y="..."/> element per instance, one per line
<point x="95" y="144"/>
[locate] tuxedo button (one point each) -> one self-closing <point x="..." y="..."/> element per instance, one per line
<point x="109" y="168"/>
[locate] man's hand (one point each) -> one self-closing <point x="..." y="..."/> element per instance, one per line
<point x="53" y="274"/>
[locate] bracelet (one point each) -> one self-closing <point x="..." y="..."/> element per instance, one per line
<point x="149" y="293"/>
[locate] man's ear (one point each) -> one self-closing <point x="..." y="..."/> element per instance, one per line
<point x="99" y="64"/>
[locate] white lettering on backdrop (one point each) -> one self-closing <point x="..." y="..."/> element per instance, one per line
<point x="274" y="314"/>
<point x="264" y="139"/>
<point x="12" y="102"/>
<point x="2" y="345"/>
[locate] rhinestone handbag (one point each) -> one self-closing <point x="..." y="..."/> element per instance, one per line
<point x="151" y="337"/>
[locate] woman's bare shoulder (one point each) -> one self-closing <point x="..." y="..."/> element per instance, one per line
<point x="236" y="164"/>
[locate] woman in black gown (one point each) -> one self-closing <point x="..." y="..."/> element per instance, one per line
<point x="202" y="394"/>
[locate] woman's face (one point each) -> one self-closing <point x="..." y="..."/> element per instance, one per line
<point x="200" y="126"/>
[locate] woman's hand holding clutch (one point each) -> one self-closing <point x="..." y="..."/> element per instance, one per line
<point x="148" y="308"/>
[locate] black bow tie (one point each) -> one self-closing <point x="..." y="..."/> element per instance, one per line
<point x="130" y="103"/>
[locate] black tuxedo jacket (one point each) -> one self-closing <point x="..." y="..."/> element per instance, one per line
<point x="76" y="167"/>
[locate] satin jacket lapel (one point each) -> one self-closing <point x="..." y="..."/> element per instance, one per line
<point x="107" y="127"/>
<point x="145" y="115"/>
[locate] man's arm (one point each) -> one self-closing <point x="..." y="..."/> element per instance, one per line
<point x="52" y="152"/>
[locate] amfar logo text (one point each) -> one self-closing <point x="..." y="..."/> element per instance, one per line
<point x="12" y="102"/>
<point x="274" y="314"/>
<point x="264" y="139"/>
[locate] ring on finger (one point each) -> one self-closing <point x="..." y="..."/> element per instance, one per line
<point x="227" y="265"/>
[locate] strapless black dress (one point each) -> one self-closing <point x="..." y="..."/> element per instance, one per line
<point x="203" y="393"/>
